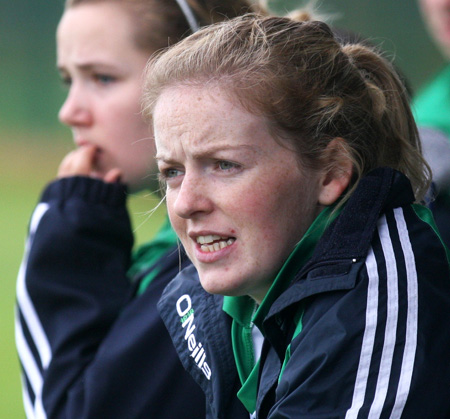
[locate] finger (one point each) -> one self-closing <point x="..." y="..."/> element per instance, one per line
<point x="113" y="175"/>
<point x="79" y="162"/>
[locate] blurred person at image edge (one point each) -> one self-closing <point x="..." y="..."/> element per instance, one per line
<point x="431" y="107"/>
<point x="89" y="338"/>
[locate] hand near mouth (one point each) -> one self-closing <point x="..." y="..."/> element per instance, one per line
<point x="82" y="162"/>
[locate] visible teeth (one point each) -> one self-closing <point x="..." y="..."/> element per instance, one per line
<point x="208" y="239"/>
<point x="214" y="247"/>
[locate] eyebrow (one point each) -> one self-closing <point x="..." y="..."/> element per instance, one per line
<point x="209" y="151"/>
<point x="87" y="67"/>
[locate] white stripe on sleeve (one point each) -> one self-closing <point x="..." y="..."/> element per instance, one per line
<point x="28" y="405"/>
<point x="409" y="352"/>
<point x="35" y="328"/>
<point x="28" y="363"/>
<point x="390" y="333"/>
<point x="385" y="369"/>
<point x="368" y="338"/>
<point x="24" y="301"/>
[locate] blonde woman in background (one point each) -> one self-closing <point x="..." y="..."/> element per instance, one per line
<point x="90" y="340"/>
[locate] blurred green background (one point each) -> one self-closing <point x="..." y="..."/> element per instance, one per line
<point x="33" y="142"/>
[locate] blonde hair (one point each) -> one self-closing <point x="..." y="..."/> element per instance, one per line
<point x="160" y="23"/>
<point x="309" y="88"/>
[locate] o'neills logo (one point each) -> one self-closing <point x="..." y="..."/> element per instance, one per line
<point x="186" y="312"/>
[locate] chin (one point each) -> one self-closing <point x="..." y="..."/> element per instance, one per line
<point x="211" y="289"/>
<point x="217" y="287"/>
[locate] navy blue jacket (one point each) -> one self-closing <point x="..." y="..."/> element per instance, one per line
<point x="375" y="340"/>
<point x="88" y="346"/>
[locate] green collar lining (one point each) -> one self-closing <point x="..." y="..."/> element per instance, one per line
<point x="149" y="253"/>
<point x="245" y="312"/>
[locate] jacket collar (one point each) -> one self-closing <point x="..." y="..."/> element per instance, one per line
<point x="341" y="251"/>
<point x="209" y="327"/>
<point x="349" y="237"/>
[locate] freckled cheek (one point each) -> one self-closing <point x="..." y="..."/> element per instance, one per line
<point x="246" y="201"/>
<point x="253" y="217"/>
<point x="242" y="210"/>
<point x="271" y="217"/>
<point x="178" y="223"/>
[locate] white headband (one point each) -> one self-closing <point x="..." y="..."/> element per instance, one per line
<point x="189" y="15"/>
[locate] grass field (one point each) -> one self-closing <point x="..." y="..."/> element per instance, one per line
<point x="24" y="170"/>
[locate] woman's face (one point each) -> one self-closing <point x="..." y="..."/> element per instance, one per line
<point x="437" y="16"/>
<point x="102" y="67"/>
<point x="236" y="198"/>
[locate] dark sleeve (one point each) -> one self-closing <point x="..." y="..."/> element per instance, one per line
<point x="88" y="347"/>
<point x="71" y="287"/>
<point x="136" y="372"/>
<point x="379" y="349"/>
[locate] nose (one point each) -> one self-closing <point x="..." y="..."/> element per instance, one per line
<point x="194" y="197"/>
<point x="75" y="110"/>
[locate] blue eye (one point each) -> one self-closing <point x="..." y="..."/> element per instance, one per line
<point x="226" y="165"/>
<point x="171" y="173"/>
<point x="104" y="78"/>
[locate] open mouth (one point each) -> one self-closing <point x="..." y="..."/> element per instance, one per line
<point x="213" y="243"/>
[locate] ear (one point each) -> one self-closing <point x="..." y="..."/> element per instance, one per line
<point x="336" y="178"/>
